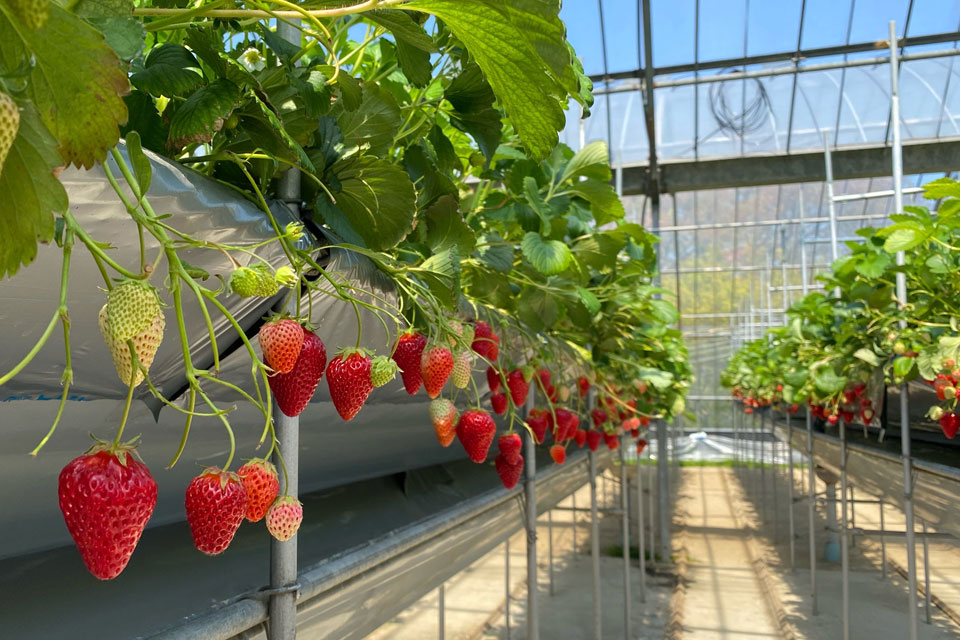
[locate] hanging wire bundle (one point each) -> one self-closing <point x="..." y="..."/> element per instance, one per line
<point x="739" y="123"/>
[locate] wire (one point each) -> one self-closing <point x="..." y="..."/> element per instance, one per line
<point x="755" y="110"/>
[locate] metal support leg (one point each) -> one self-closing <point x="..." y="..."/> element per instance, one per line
<point x="283" y="555"/>
<point x="595" y="549"/>
<point x="790" y="504"/>
<point x="573" y="497"/>
<point x="625" y="535"/>
<point x="811" y="512"/>
<point x="763" y="472"/>
<point x="883" y="543"/>
<point x="550" y="546"/>
<point x="663" y="485"/>
<point x="926" y="572"/>
<point x="853" y="514"/>
<point x="530" y="466"/>
<point x="775" y="444"/>
<point x="441" y="625"/>
<point x="650" y="503"/>
<point x="844" y="533"/>
<point x="640" y="546"/>
<point x="506" y="571"/>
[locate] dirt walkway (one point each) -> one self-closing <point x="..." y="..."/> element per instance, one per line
<point x="724" y="599"/>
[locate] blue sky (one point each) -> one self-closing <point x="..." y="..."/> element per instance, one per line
<point x="772" y="27"/>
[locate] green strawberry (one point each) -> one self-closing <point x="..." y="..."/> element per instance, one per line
<point x="256" y="280"/>
<point x="33" y="13"/>
<point x="382" y="370"/>
<point x="145" y="343"/>
<point x="132" y="306"/>
<point x="9" y="125"/>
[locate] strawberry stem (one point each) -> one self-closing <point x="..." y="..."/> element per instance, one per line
<point x="134" y="370"/>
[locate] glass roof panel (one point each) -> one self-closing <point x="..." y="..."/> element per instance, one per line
<point x="761" y="39"/>
<point x="721" y="31"/>
<point x="674" y="26"/>
<point x="620" y="22"/>
<point x="934" y="16"/>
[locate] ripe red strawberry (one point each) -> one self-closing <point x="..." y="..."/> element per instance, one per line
<point x="509" y="473"/>
<point x="833" y="418"/>
<point x="443" y="415"/>
<point x="538" y="421"/>
<point x="598" y="416"/>
<point x="510" y="445"/>
<point x="494" y="350"/>
<point x="583" y="386"/>
<point x="281" y="340"/>
<point x="545" y="378"/>
<point x="635" y="433"/>
<point x="106" y="497"/>
<point x="567" y="422"/>
<point x="284" y="517"/>
<point x="476" y="430"/>
<point x="407" y="355"/>
<point x="644" y="421"/>
<point x="552" y="394"/>
<point x="558" y="453"/>
<point x="499" y="403"/>
<point x="294" y="389"/>
<point x="641" y="445"/>
<point x="866" y="415"/>
<point x="593" y="439"/>
<point x="493" y="379"/>
<point x="580" y="436"/>
<point x="215" y="504"/>
<point x="612" y="441"/>
<point x="260" y="482"/>
<point x="482" y="339"/>
<point x="436" y="365"/>
<point x="518" y="386"/>
<point x="348" y="376"/>
<point x="949" y="423"/>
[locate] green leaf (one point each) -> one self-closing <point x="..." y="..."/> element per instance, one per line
<point x="170" y="70"/>
<point x="603" y="199"/>
<point x="496" y="253"/>
<point x="868" y="356"/>
<point x="472" y="100"/>
<point x="441" y="272"/>
<point x="549" y="257"/>
<point x="903" y="367"/>
<point x="664" y="311"/>
<point x="373" y="123"/>
<point x="203" y="114"/>
<point x="376" y="198"/>
<point x="29" y="193"/>
<point x="415" y="64"/>
<point x="141" y="165"/>
<point x="591" y="161"/>
<point x="938" y="264"/>
<point x="599" y="250"/>
<point x="414" y="45"/>
<point x="125" y="35"/>
<point x="535" y="200"/>
<point x="446" y="228"/>
<point x="538" y="309"/>
<point x="76" y="82"/>
<point x="941" y="188"/>
<point x="903" y="239"/>
<point x="285" y="50"/>
<point x="145" y="120"/>
<point x="589" y="301"/>
<point x="929" y="362"/>
<point x="446" y="155"/>
<point x="313" y="89"/>
<point x="795" y="378"/>
<point x="873" y="266"/>
<point x="521" y="49"/>
<point x="827" y="381"/>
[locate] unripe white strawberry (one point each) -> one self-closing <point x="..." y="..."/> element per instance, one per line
<point x="9" y="125"/>
<point x="145" y="344"/>
<point x="132" y="306"/>
<point x="462" y="363"/>
<point x="284" y="517"/>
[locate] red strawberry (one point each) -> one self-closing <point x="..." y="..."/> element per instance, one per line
<point x="580" y="436"/>
<point x="641" y="445"/>
<point x="482" y="339"/>
<point x="494" y="350"/>
<point x="294" y="389"/>
<point x="349" y="378"/>
<point x="284" y="517"/>
<point x="518" y="386"/>
<point x="593" y="439"/>
<point x="612" y="441"/>
<point x="475" y="431"/>
<point x="444" y="416"/>
<point x="436" y="365"/>
<point x="635" y="433"/>
<point x="281" y="340"/>
<point x="509" y="473"/>
<point x="538" y="421"/>
<point x="510" y="445"/>
<point x="644" y="421"/>
<point x="106" y="497"/>
<point x="598" y="416"/>
<point x="260" y="481"/>
<point x="552" y="394"/>
<point x="499" y="402"/>
<point x="949" y="423"/>
<point x="545" y="378"/>
<point x="493" y="379"/>
<point x="407" y="355"/>
<point x="215" y="504"/>
<point x="583" y="386"/>
<point x="866" y="415"/>
<point x="558" y="453"/>
<point x="567" y="422"/>
<point x="833" y="418"/>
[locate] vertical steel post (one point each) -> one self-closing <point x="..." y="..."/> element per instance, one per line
<point x="844" y="540"/>
<point x="625" y="534"/>
<point x="573" y="498"/>
<point x="640" y="546"/>
<point x="663" y="484"/>
<point x="812" y="473"/>
<point x="853" y="514"/>
<point x="506" y="571"/>
<point x="883" y="543"/>
<point x="926" y="572"/>
<point x="775" y="447"/>
<point x="650" y="503"/>
<point x="790" y="503"/>
<point x="550" y="546"/>
<point x="441" y="624"/>
<point x="530" y="490"/>
<point x="595" y="549"/>
<point x="897" y="153"/>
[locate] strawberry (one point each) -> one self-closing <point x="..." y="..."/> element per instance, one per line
<point x="462" y="331"/>
<point x="284" y="517"/>
<point x="949" y="423"/>
<point x="475" y="431"/>
<point x="583" y="387"/>
<point x="563" y="393"/>
<point x="493" y="379"/>
<point x="294" y="390"/>
<point x="132" y="306"/>
<point x="509" y="473"/>
<point x="260" y="482"/>
<point x="216" y="503"/>
<point x="33" y="13"/>
<point x="644" y="421"/>
<point x="482" y="339"/>
<point x="145" y="345"/>
<point x="580" y="436"/>
<point x="349" y="378"/>
<point x="9" y="123"/>
<point x="510" y="445"/>
<point x="382" y="371"/>
<point x="462" y="365"/>
<point x="494" y="349"/>
<point x="436" y="365"/>
<point x="518" y="386"/>
<point x="612" y="441"/>
<point x="558" y="453"/>
<point x="866" y="415"/>
<point x="598" y="416"/>
<point x="593" y="439"/>
<point x="443" y="415"/>
<point x="641" y="445"/>
<point x="538" y="421"/>
<point x="255" y="280"/>
<point x="281" y="340"/>
<point x="567" y="422"/>
<point x="499" y="403"/>
<point x="407" y="356"/>
<point x="544" y="376"/>
<point x="107" y="497"/>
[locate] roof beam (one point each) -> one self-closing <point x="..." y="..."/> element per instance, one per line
<point x="927" y="156"/>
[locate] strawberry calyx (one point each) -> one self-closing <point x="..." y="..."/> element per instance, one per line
<point x="120" y="451"/>
<point x="348" y="352"/>
<point x="223" y="476"/>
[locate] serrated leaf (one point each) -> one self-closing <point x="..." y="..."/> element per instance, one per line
<point x="403" y="27"/>
<point x="312" y="87"/>
<point x="941" y="188"/>
<point x="903" y="367"/>
<point x="902" y="240"/>
<point x="603" y="199"/>
<point x="827" y="381"/>
<point x="441" y="272"/>
<point x="599" y="250"/>
<point x="496" y="253"/>
<point x="474" y="114"/>
<point x="873" y="265"/>
<point x="937" y="264"/>
<point x="538" y="309"/>
<point x="170" y="70"/>
<point x="376" y="198"/>
<point x="373" y="123"/>
<point x="446" y="228"/>
<point x="415" y="64"/>
<point x="868" y="356"/>
<point x="589" y="301"/>
<point x="30" y="195"/>
<point x="592" y="161"/>
<point x="549" y="257"/>
<point x="284" y="49"/>
<point x="446" y="155"/>
<point x="125" y="35"/>
<point x="76" y="82"/>
<point x="664" y="311"/>
<point x="141" y="165"/>
<point x="929" y="362"/>
<point x="145" y="120"/>
<point x="532" y="193"/>
<point x="203" y="114"/>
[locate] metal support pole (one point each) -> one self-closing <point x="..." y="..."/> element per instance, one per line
<point x="550" y="546"/>
<point x="441" y="624"/>
<point x="573" y="498"/>
<point x="650" y="503"/>
<point x="595" y="549"/>
<point x="625" y="534"/>
<point x="763" y="471"/>
<point x="811" y="510"/>
<point x="790" y="523"/>
<point x="926" y="572"/>
<point x="530" y="489"/>
<point x="853" y="514"/>
<point x="844" y="547"/>
<point x="883" y="543"/>
<point x="897" y="153"/>
<point x="663" y="483"/>
<point x="506" y="571"/>
<point x="640" y="546"/>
